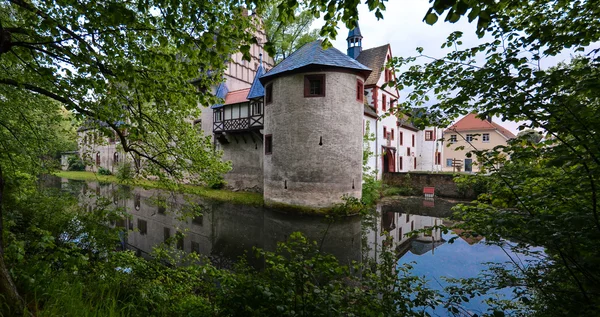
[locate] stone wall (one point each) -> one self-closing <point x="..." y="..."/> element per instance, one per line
<point x="444" y="183"/>
<point x="316" y="142"/>
<point x="245" y="152"/>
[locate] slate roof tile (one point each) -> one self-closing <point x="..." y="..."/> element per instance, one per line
<point x="313" y="54"/>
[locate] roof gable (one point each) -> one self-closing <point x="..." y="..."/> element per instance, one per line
<point x="257" y="90"/>
<point x="374" y="58"/>
<point x="221" y="92"/>
<point x="471" y="122"/>
<point x="313" y="54"/>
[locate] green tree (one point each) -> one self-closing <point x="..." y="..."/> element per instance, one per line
<point x="286" y="36"/>
<point x="122" y="67"/>
<point x="546" y="195"/>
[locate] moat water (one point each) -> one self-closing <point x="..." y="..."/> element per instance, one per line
<point x="225" y="232"/>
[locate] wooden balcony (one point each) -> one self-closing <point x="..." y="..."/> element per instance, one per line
<point x="239" y="124"/>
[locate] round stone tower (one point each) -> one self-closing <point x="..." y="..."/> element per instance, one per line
<point x="313" y="128"/>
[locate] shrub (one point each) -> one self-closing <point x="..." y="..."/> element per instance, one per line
<point x="398" y="191"/>
<point x="124" y="171"/>
<point x="104" y="171"/>
<point x="75" y="163"/>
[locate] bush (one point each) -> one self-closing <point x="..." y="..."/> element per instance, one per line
<point x="398" y="191"/>
<point x="104" y="171"/>
<point x="75" y="163"/>
<point x="124" y="171"/>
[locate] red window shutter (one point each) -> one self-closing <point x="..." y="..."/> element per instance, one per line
<point x="392" y="134"/>
<point x="400" y="163"/>
<point x="407" y="151"/>
<point x="401" y="136"/>
<point x="383" y="104"/>
<point x="415" y="162"/>
<point x="413" y="140"/>
<point x="384" y="132"/>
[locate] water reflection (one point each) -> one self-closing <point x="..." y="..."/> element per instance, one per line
<point x="224" y="231"/>
<point x="398" y="219"/>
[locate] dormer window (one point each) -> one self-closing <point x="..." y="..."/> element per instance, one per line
<point x="314" y="86"/>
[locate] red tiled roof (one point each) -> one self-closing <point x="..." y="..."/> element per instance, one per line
<point x="470" y="123"/>
<point x="237" y="96"/>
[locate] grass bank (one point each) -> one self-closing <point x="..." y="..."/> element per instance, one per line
<point x="245" y="198"/>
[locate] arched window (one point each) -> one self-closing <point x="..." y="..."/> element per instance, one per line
<point x="98" y="158"/>
<point x="116" y="157"/>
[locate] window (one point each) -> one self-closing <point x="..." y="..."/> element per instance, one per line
<point x="449" y="162"/>
<point x="137" y="200"/>
<point x="142" y="226"/>
<point x="392" y="134"/>
<point x="427" y="233"/>
<point x="485" y="137"/>
<point x="166" y="234"/>
<point x="407" y="151"/>
<point x="179" y="236"/>
<point x="469" y="138"/>
<point x="383" y="102"/>
<point x="314" y="86"/>
<point x="98" y="158"/>
<point x="269" y="93"/>
<point x="360" y="90"/>
<point x="195" y="247"/>
<point x="438" y="158"/>
<point x="384" y="132"/>
<point x="415" y="162"/>
<point x="428" y="135"/>
<point x="116" y="157"/>
<point x="413" y="140"/>
<point x="401" y="136"/>
<point x="453" y="138"/>
<point x="257" y="108"/>
<point x="268" y="144"/>
<point x="198" y="220"/>
<point x="400" y="163"/>
<point x="407" y="218"/>
<point x="218" y="114"/>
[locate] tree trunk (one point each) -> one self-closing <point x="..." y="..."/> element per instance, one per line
<point x="8" y="290"/>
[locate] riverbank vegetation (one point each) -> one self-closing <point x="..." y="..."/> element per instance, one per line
<point x="239" y="197"/>
<point x="546" y="195"/>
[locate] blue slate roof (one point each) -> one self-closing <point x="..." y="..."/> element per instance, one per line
<point x="257" y="90"/>
<point x="313" y="54"/>
<point x="355" y="32"/>
<point x="222" y="91"/>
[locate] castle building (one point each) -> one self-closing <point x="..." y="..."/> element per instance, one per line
<point x="296" y="131"/>
<point x="398" y="146"/>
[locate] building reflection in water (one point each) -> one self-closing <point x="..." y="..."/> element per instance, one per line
<point x="399" y="223"/>
<point x="223" y="232"/>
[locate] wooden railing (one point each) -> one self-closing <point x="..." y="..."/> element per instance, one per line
<point x="239" y="124"/>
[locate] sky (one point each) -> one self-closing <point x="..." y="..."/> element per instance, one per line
<point x="403" y="27"/>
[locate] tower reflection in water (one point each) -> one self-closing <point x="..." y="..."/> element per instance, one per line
<point x="223" y="232"/>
